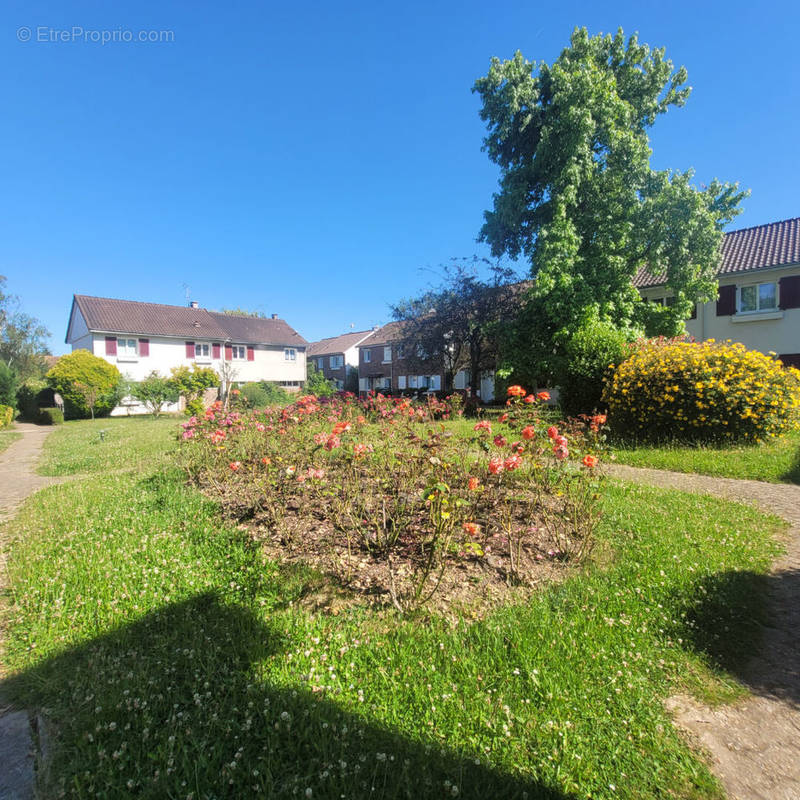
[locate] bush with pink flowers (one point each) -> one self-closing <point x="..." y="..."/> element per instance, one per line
<point x="399" y="499"/>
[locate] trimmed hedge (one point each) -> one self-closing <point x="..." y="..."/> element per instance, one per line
<point x="707" y="391"/>
<point x="50" y="416"/>
<point x="6" y="416"/>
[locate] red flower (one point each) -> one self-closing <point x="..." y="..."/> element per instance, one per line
<point x="552" y="431"/>
<point x="516" y="391"/>
<point x="560" y="440"/>
<point x="530" y="399"/>
<point x="502" y="417"/>
<point x="560" y="451"/>
<point x="234" y="465"/>
<point x="590" y="461"/>
<point x="543" y="396"/>
<point x="528" y="432"/>
<point x="500" y="440"/>
<point x="483" y="425"/>
<point x="473" y="484"/>
<point x="496" y="466"/>
<point x="471" y="528"/>
<point x="333" y="442"/>
<point x="266" y="460"/>
<point x="517" y="447"/>
<point x="512" y="463"/>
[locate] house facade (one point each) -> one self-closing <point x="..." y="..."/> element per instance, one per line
<point x="759" y="291"/>
<point x="140" y="338"/>
<point x="337" y="356"/>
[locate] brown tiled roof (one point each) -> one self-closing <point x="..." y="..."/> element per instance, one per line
<point x="388" y="333"/>
<point x="776" y="244"/>
<point x="337" y="344"/>
<point x="108" y="315"/>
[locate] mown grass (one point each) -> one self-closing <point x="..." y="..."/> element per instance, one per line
<point x="776" y="462"/>
<point x="83" y="446"/>
<point x="176" y="662"/>
<point x="7" y="437"/>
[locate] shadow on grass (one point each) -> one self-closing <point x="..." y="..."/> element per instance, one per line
<point x="747" y="624"/>
<point x="792" y="475"/>
<point x="175" y="705"/>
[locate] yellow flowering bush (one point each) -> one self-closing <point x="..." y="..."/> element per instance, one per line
<point x="701" y="391"/>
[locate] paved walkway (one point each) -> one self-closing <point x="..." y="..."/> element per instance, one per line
<point x="754" y="745"/>
<point x="17" y="480"/>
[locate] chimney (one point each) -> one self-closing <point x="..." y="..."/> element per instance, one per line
<point x="194" y="304"/>
<point x="274" y="316"/>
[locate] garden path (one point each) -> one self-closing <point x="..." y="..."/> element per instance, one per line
<point x="18" y="479"/>
<point x="754" y="745"/>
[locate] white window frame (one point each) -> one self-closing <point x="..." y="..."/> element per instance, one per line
<point x="435" y="383"/>
<point x="387" y="354"/>
<point x="412" y="381"/>
<point x="238" y="352"/>
<point x="320" y="363"/>
<point x="367" y="356"/>
<point x="401" y="382"/>
<point x="289" y="354"/>
<point x="124" y="351"/>
<point x="758" y="309"/>
<point x="336" y="362"/>
<point x="202" y="351"/>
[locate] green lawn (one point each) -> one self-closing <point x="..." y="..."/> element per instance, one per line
<point x="776" y="462"/>
<point x="7" y="437"/>
<point x="176" y="662"/>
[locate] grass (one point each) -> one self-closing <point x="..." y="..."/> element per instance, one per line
<point x="113" y="443"/>
<point x="776" y="462"/>
<point x="7" y="437"/>
<point x="176" y="662"/>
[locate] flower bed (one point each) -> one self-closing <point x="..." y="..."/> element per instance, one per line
<point x="404" y="500"/>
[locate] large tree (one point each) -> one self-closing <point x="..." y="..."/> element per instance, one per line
<point x="578" y="198"/>
<point x="456" y="323"/>
<point x="23" y="339"/>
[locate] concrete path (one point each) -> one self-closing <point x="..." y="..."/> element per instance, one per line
<point x="754" y="746"/>
<point x="17" y="480"/>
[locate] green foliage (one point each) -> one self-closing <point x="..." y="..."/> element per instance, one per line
<point x="155" y="391"/>
<point x="89" y="385"/>
<point x="6" y="415"/>
<point x="23" y="339"/>
<point x="590" y="351"/>
<point x="709" y="391"/>
<point x="50" y="416"/>
<point x="579" y="200"/>
<point x="29" y="397"/>
<point x="262" y="394"/>
<point x="191" y="383"/>
<point x="8" y="385"/>
<point x="316" y="382"/>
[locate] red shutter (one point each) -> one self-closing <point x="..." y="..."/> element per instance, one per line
<point x="111" y="345"/>
<point x="144" y="347"/>
<point x="251" y="354"/>
<point x="215" y="350"/>
<point x="726" y="302"/>
<point x="228" y="352"/>
<point x="190" y="350"/>
<point x="789" y="291"/>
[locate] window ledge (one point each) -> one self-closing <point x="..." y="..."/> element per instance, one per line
<point x="756" y="316"/>
<point x="128" y="359"/>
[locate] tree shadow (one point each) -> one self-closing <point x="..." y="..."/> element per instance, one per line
<point x="175" y="705"/>
<point x="746" y="624"/>
<point x="792" y="475"/>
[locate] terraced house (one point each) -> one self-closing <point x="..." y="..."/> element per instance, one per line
<point x="139" y="338"/>
<point x="759" y="291"/>
<point x="337" y="357"/>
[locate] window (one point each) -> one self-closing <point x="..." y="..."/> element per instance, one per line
<point x="435" y="383"/>
<point x="412" y="381"/>
<point x="387" y="355"/>
<point x="239" y="351"/>
<point x="339" y="384"/>
<point x="422" y="381"/>
<point x="757" y="297"/>
<point x="202" y="352"/>
<point x="289" y="354"/>
<point x="401" y="381"/>
<point x="367" y="356"/>
<point x="289" y="384"/>
<point x="126" y="348"/>
<point x="337" y="362"/>
<point x="320" y="362"/>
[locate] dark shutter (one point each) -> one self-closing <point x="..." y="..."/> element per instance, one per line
<point x="190" y="350"/>
<point x="215" y="350"/>
<point x="251" y="353"/>
<point x="789" y="291"/>
<point x="791" y="360"/>
<point x="111" y="345"/>
<point x="693" y="315"/>
<point x="726" y="302"/>
<point x="144" y="347"/>
<point x="228" y="352"/>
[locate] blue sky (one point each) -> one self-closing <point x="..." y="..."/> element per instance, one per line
<point x="319" y="160"/>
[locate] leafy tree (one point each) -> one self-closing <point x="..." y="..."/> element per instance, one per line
<point x="457" y="323"/>
<point x="8" y="386"/>
<point x="88" y="384"/>
<point x="578" y="198"/>
<point x="191" y="383"/>
<point x="243" y="312"/>
<point x="262" y="394"/>
<point x="317" y="383"/>
<point x="23" y="339"/>
<point x="155" y="392"/>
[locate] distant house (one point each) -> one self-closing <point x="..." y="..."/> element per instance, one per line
<point x="759" y="291"/>
<point x="337" y="356"/>
<point x="139" y="338"/>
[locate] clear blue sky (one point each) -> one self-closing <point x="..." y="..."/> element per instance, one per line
<point x="312" y="159"/>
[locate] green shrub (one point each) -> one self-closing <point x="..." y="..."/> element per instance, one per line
<point x="589" y="352"/>
<point x="50" y="416"/>
<point x="31" y="397"/>
<point x="191" y="384"/>
<point x="89" y="385"/>
<point x="316" y="382"/>
<point x="6" y="416"/>
<point x="155" y="391"/>
<point x="701" y="392"/>
<point x="8" y="385"/>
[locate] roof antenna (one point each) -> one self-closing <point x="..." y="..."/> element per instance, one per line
<point x="187" y="292"/>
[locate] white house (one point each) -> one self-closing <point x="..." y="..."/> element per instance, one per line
<point x="140" y="338"/>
